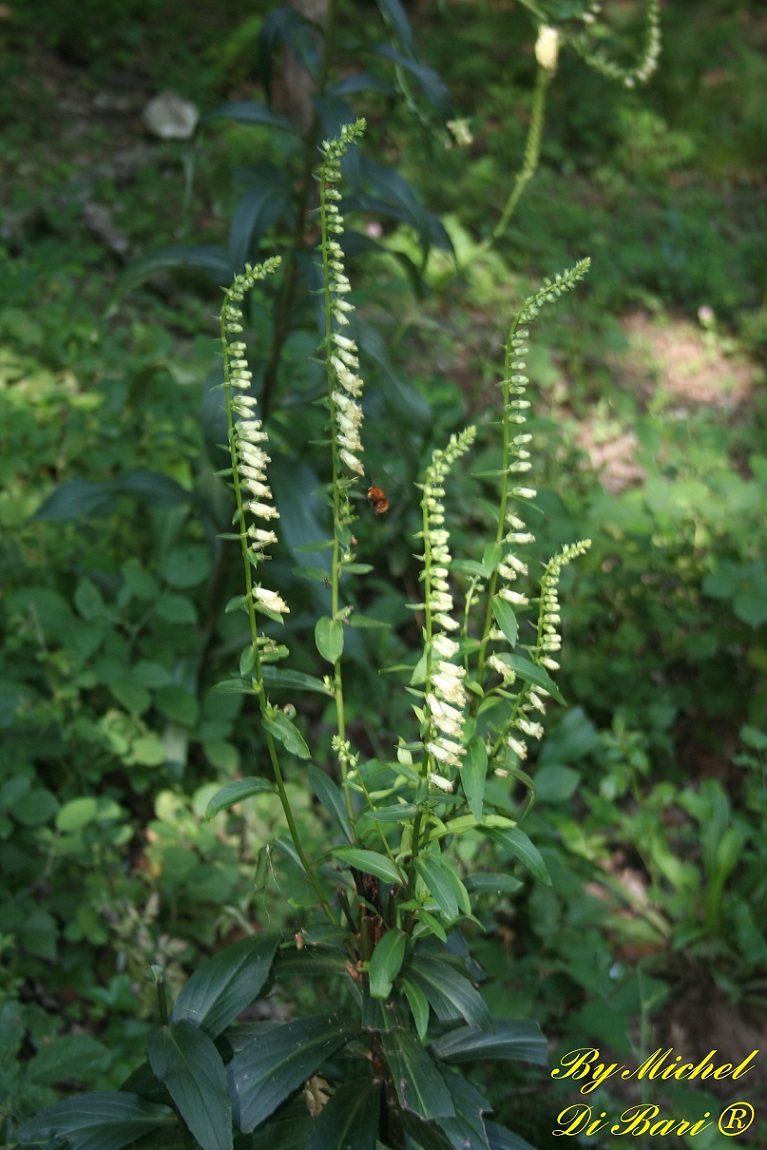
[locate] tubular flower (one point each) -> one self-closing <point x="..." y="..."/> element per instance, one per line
<point x="445" y="695"/>
<point x="345" y="385"/>
<point x="247" y="437"/>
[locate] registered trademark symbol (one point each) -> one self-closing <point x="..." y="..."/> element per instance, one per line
<point x="736" y="1118"/>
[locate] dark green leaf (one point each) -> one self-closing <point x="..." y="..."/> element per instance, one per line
<point x="257" y="211"/>
<point x="267" y="1071"/>
<point x="235" y="792"/>
<point x="439" y="886"/>
<point x="492" y="884"/>
<point x="96" y="1121"/>
<point x="499" y="1138"/>
<point x="294" y="681"/>
<point x="520" y="846"/>
<point x="396" y="20"/>
<point x="518" y="1040"/>
<point x="329" y="638"/>
<point x="350" y="1120"/>
<point x="429" y="81"/>
<point x="184" y="1058"/>
<point x="474" y="775"/>
<point x="420" y="1086"/>
<point x="249" y="112"/>
<point x="287" y="733"/>
<point x="329" y="794"/>
<point x="76" y="499"/>
<point x="386" y="962"/>
<point x="506" y="619"/>
<point x="406" y="405"/>
<point x="369" y="862"/>
<point x="531" y="673"/>
<point x="360" y="82"/>
<point x="467" y="1130"/>
<point x="223" y="986"/>
<point x="419" y="1006"/>
<point x="210" y="258"/>
<point x="450" y="994"/>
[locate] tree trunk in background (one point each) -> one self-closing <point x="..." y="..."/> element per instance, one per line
<point x="292" y="85"/>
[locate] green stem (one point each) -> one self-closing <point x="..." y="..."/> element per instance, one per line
<point x="286" y="296"/>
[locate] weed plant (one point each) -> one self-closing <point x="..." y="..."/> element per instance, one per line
<point x="377" y="1067"/>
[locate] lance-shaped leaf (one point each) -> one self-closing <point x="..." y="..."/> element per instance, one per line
<point x="369" y="862"/>
<point x="267" y="1071"/>
<point x="350" y="1120"/>
<point x="450" y="994"/>
<point x="249" y="112"/>
<point x="386" y="962"/>
<point x="223" y="986"/>
<point x="467" y="1130"/>
<point x="106" y="1121"/>
<point x="522" y="848"/>
<point x="185" y="1059"/>
<point x="532" y="673"/>
<point x="518" y="1040"/>
<point x="420" y="1086"/>
<point x="499" y="1138"/>
<point x="209" y="258"/>
<point x="474" y="776"/>
<point x="506" y="619"/>
<point x="438" y="885"/>
<point x="329" y="794"/>
<point x="259" y="208"/>
<point x="235" y="792"/>
<point x="280" y="727"/>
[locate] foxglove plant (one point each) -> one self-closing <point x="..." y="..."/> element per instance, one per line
<point x="379" y="1071"/>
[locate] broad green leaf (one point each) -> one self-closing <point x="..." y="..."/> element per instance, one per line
<point x="331" y="797"/>
<point x="439" y="886"/>
<point x="177" y="704"/>
<point x="450" y="994"/>
<point x="429" y="81"/>
<point x="420" y="1086"/>
<point x="499" y="1138"/>
<point x="506" y="620"/>
<point x="474" y="775"/>
<point x="235" y="792"/>
<point x="68" y="1056"/>
<point x="267" y="1071"/>
<point x="518" y="1040"/>
<point x="350" y="1120"/>
<point x="516" y="841"/>
<point x="329" y="638"/>
<point x="184" y="1058"/>
<point x="223" y="986"/>
<point x="210" y="258"/>
<point x="258" y="209"/>
<point x="278" y="677"/>
<point x="386" y="962"/>
<point x="249" y="112"/>
<point x="369" y="862"/>
<point x="76" y="814"/>
<point x="398" y="813"/>
<point x="396" y="20"/>
<point x="287" y="733"/>
<point x="492" y="884"/>
<point x="107" y="1121"/>
<point x="467" y="1129"/>
<point x="531" y="673"/>
<point x="419" y="1006"/>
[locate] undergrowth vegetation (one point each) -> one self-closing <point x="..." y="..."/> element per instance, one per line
<point x="486" y="167"/>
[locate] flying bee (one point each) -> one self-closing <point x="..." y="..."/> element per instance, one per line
<point x="378" y="500"/>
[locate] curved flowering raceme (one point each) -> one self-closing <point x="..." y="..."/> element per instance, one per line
<point x="247" y="440"/>
<point x="344" y="384"/>
<point x="444" y="696"/>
